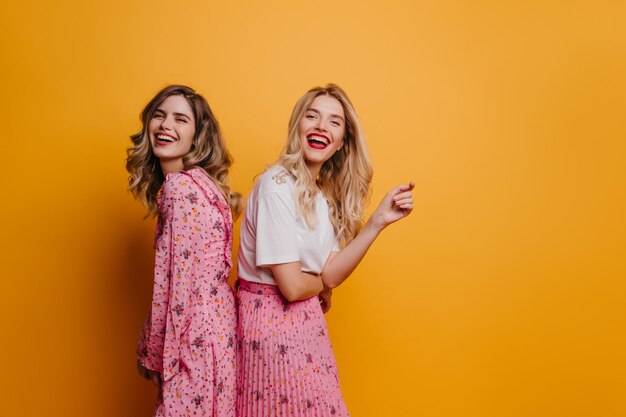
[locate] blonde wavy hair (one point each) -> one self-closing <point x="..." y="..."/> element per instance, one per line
<point x="208" y="152"/>
<point x="345" y="179"/>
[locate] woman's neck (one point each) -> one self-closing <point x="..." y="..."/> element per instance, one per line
<point x="314" y="170"/>
<point x="171" y="166"/>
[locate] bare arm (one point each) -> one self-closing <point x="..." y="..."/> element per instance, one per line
<point x="295" y="284"/>
<point x="340" y="266"/>
<point x="397" y="204"/>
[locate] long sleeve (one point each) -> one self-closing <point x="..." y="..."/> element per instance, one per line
<point x="178" y="248"/>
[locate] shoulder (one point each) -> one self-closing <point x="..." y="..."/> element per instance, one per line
<point x="180" y="189"/>
<point x="276" y="179"/>
<point x="178" y="184"/>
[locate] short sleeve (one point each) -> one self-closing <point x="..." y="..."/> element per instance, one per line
<point x="276" y="232"/>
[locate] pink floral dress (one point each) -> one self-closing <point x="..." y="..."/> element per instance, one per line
<point x="190" y="333"/>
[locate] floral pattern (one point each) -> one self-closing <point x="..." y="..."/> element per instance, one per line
<point x="286" y="363"/>
<point x="188" y="335"/>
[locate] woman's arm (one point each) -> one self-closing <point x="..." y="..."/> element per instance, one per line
<point x="177" y="261"/>
<point x="152" y="338"/>
<point x="397" y="204"/>
<point x="294" y="284"/>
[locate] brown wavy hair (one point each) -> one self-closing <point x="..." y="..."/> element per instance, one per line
<point x="345" y="179"/>
<point x="208" y="151"/>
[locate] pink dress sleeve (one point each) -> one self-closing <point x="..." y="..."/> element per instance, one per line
<point x="178" y="244"/>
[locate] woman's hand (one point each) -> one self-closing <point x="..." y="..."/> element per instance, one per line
<point x="150" y="375"/>
<point x="397" y="204"/>
<point x="325" y="296"/>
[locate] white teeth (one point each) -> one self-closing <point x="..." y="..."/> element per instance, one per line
<point x="319" y="139"/>
<point x="165" y="138"/>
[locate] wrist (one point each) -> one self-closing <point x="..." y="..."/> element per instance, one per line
<point x="375" y="223"/>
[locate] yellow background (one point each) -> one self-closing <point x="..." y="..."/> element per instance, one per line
<point x="504" y="293"/>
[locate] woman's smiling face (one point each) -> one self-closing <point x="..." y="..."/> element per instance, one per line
<point x="172" y="129"/>
<point x="321" y="130"/>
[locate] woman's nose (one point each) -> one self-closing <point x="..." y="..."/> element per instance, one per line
<point x="166" y="123"/>
<point x="321" y="125"/>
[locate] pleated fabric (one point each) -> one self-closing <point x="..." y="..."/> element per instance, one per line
<point x="286" y="365"/>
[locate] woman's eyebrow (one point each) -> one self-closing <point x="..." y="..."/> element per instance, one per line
<point x="183" y="115"/>
<point x="175" y="114"/>
<point x="319" y="113"/>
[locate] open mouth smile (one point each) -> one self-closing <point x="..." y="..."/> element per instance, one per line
<point x="318" y="141"/>
<point x="163" y="139"/>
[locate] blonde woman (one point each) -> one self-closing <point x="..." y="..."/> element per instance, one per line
<point x="302" y="235"/>
<point x="178" y="167"/>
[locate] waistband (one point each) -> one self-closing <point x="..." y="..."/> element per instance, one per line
<point x="258" y="288"/>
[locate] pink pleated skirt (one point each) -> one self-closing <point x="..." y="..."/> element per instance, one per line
<point x="286" y="366"/>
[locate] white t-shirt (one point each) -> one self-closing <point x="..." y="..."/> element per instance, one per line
<point x="273" y="232"/>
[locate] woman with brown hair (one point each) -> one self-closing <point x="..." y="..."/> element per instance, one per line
<point x="178" y="167"/>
